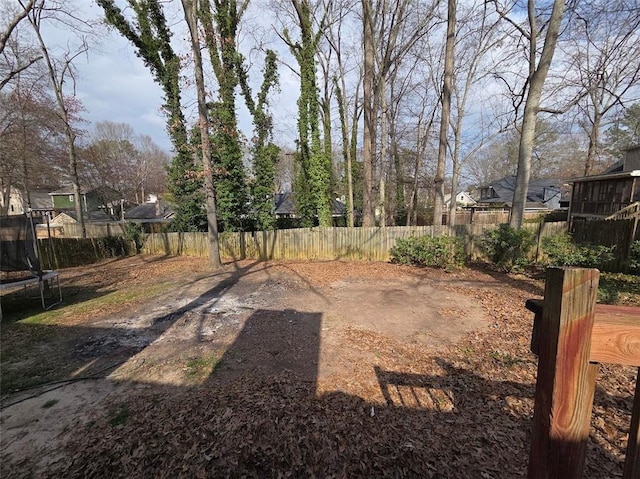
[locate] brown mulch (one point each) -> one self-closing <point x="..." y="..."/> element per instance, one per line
<point x="461" y="412"/>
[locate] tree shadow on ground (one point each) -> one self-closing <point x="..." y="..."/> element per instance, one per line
<point x="259" y="414"/>
<point x="33" y="342"/>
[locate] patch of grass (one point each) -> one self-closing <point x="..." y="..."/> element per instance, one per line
<point x="50" y="403"/>
<point x="200" y="367"/>
<point x="618" y="288"/>
<point x="120" y="415"/>
<point x="112" y="301"/>
<point x="505" y="359"/>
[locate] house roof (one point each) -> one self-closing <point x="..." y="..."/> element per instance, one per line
<point x="149" y="211"/>
<point x="285" y="204"/>
<point x="630" y="162"/>
<point x="101" y="190"/>
<point x="447" y="197"/>
<point x="40" y="200"/>
<point x="71" y="217"/>
<point x="505" y="187"/>
<point x="606" y="176"/>
<point x="67" y="190"/>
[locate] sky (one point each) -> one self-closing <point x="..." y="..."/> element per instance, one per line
<point x="114" y="84"/>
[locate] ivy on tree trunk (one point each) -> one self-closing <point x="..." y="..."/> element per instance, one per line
<point x="220" y="26"/>
<point x="314" y="170"/>
<point x="264" y="151"/>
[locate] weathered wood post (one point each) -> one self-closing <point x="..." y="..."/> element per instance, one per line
<point x="632" y="461"/>
<point x="566" y="379"/>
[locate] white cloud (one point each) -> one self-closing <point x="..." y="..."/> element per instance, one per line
<point x="115" y="85"/>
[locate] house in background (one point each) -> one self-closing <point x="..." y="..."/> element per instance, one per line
<point x="18" y="204"/>
<point x="542" y="195"/>
<point x="285" y="206"/>
<point x="610" y="194"/>
<point x="70" y="218"/>
<point x="153" y="212"/>
<point x="463" y="199"/>
<point x="102" y="198"/>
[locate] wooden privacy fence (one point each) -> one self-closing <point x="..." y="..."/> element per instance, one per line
<point x="571" y="335"/>
<point x="491" y="217"/>
<point x="72" y="230"/>
<point x="372" y="244"/>
<point x="56" y="253"/>
<point x="617" y="233"/>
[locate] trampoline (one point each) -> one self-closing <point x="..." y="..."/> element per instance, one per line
<point x="19" y="262"/>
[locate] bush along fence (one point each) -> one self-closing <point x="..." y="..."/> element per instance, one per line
<point x="371" y="244"/>
<point x="56" y="253"/>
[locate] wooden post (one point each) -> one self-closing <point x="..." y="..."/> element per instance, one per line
<point x="566" y="380"/>
<point x="632" y="461"/>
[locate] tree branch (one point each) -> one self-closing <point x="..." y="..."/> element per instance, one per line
<point x="4" y="36"/>
<point x="17" y="71"/>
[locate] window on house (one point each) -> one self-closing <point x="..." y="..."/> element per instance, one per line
<point x="486" y="193"/>
<point x="71" y="198"/>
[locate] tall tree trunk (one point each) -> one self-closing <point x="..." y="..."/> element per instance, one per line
<point x="327" y="150"/>
<point x="593" y="143"/>
<point x="369" y="126"/>
<point x="346" y="150"/>
<point x="412" y="207"/>
<point x="220" y="25"/>
<point x="382" y="193"/>
<point x="532" y="106"/>
<point x="438" y="202"/>
<point x="397" y="165"/>
<point x="453" y="205"/>
<point x="353" y="153"/>
<point x="455" y="158"/>
<point x="203" y="122"/>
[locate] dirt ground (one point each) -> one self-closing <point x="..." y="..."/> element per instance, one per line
<point x="158" y="367"/>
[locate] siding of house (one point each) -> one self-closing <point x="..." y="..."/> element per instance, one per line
<point x="63" y="202"/>
<point x="604" y="197"/>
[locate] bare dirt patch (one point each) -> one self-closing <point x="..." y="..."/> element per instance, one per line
<point x="304" y="369"/>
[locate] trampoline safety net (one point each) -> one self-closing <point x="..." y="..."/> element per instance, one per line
<point x="17" y="246"/>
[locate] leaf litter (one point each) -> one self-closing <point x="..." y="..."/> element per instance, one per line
<point x="462" y="409"/>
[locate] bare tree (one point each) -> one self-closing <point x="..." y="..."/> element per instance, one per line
<point x="30" y="136"/>
<point x="369" y="110"/>
<point x="191" y="16"/>
<point x="346" y="108"/>
<point x="120" y="159"/>
<point x="538" y="68"/>
<point x="389" y="34"/>
<point x="605" y="53"/>
<point x="61" y="73"/>
<point x="445" y="112"/>
<point x="424" y="123"/>
<point x="151" y="168"/>
<point x="15" y="58"/>
<point x="476" y="36"/>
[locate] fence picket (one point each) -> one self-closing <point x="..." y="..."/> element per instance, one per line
<point x="373" y="244"/>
